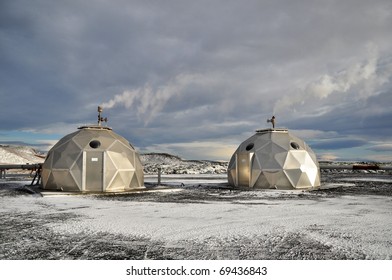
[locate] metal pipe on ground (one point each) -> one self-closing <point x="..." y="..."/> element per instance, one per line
<point x="159" y="175"/>
<point x="356" y="167"/>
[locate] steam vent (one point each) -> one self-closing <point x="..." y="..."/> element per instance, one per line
<point x="92" y="159"/>
<point x="274" y="158"/>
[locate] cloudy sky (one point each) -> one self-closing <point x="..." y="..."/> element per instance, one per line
<point x="196" y="78"/>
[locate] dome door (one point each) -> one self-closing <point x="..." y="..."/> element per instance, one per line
<point x="243" y="169"/>
<point x="94" y="171"/>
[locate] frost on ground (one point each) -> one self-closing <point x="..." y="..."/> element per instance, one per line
<point x="349" y="219"/>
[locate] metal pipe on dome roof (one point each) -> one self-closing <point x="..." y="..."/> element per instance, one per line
<point x="272" y="120"/>
<point x="101" y="119"/>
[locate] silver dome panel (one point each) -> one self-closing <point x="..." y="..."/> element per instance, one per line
<point x="274" y="158"/>
<point x="92" y="159"/>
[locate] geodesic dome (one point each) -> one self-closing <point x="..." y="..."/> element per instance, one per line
<point x="274" y="158"/>
<point x="92" y="159"/>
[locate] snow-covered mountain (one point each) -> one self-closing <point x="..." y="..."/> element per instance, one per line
<point x="170" y="164"/>
<point x="10" y="154"/>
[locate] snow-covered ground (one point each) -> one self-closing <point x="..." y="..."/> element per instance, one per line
<point x="195" y="220"/>
<point x="10" y="154"/>
<point x="196" y="179"/>
<point x="194" y="215"/>
<point x="170" y="164"/>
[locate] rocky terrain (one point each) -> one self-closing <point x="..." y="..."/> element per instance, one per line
<point x="170" y="164"/>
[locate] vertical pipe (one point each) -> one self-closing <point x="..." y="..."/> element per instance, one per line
<point x="159" y="175"/>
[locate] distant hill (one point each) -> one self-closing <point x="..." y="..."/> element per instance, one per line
<point x="10" y="154"/>
<point x="171" y="164"/>
<point x="160" y="158"/>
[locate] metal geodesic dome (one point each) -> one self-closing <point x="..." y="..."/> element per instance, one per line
<point x="274" y="158"/>
<point x="92" y="159"/>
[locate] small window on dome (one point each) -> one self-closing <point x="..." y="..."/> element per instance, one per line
<point x="295" y="145"/>
<point x="250" y="146"/>
<point x="95" y="144"/>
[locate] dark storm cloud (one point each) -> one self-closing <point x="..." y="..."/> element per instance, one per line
<point x="337" y="144"/>
<point x="182" y="71"/>
<point x="381" y="148"/>
<point x="367" y="118"/>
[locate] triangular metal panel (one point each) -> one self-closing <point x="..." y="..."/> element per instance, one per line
<point x="233" y="176"/>
<point x="120" y="138"/>
<point x="105" y="141"/>
<point x="277" y="149"/>
<point x="123" y="145"/>
<point x="271" y="176"/>
<point x="262" y="182"/>
<point x="126" y="176"/>
<point x="110" y="170"/>
<point x="48" y="181"/>
<point x="120" y="161"/>
<point x="64" y="140"/>
<point x="281" y="139"/>
<point x="135" y="183"/>
<point x="65" y="181"/>
<point x="309" y="161"/>
<point x="313" y="175"/>
<point x="131" y="155"/>
<point x="140" y="176"/>
<point x="303" y="182"/>
<point x="291" y="161"/>
<point x="83" y="138"/>
<point x="281" y="158"/>
<point x="255" y="170"/>
<point x="268" y="161"/>
<point x="65" y="156"/>
<point x="293" y="175"/>
<point x="300" y="156"/>
<point x="77" y="171"/>
<point x="46" y="170"/>
<point x="116" y="183"/>
<point x="47" y="165"/>
<point x="282" y="182"/>
<point x="232" y="163"/>
<point x="255" y="162"/>
<point x="254" y="176"/>
<point x="260" y="145"/>
<point x="45" y="176"/>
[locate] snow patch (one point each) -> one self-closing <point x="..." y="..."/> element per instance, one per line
<point x="170" y="164"/>
<point x="19" y="155"/>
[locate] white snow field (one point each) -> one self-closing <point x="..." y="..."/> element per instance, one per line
<point x="10" y="154"/>
<point x="194" y="215"/>
<point x="197" y="222"/>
